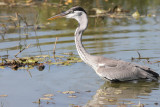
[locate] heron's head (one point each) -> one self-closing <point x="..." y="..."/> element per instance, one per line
<point x="74" y="12"/>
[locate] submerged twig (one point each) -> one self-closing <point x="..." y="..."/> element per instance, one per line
<point x="29" y="73"/>
<point x="54" y="49"/>
<point x="22" y="50"/>
<point x="140" y="57"/>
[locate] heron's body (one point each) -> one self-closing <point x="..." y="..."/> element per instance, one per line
<point x="106" y="68"/>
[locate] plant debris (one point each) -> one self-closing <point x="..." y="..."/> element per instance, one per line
<point x="48" y="95"/>
<point x="47" y="98"/>
<point x="39" y="61"/>
<point x="3" y="95"/>
<point x="72" y="96"/>
<point x="38" y="102"/>
<point x="15" y="64"/>
<point x="69" y="92"/>
<point x="140" y="57"/>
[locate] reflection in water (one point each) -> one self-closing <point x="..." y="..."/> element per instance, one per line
<point x="116" y="93"/>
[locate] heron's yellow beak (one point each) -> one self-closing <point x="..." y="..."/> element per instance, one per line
<point x="57" y="16"/>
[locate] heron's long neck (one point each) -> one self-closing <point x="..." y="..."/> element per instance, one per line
<point x="84" y="55"/>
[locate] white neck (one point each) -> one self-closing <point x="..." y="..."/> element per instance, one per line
<point x="84" y="55"/>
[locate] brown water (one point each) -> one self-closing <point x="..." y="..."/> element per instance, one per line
<point x="118" y="38"/>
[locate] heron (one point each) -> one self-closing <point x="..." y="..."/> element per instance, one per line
<point x="107" y="68"/>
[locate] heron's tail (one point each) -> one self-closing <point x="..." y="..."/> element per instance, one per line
<point x="151" y="74"/>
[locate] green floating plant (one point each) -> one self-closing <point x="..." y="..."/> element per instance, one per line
<point x="39" y="61"/>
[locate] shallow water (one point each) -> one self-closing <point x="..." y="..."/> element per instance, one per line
<point x="113" y="38"/>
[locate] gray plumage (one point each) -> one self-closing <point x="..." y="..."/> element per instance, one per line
<point x="106" y="68"/>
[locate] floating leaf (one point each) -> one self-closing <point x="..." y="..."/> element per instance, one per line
<point x="50" y="102"/>
<point x="43" y="56"/>
<point x="46" y="98"/>
<point x="59" y="91"/>
<point x="66" y="63"/>
<point x="26" y="68"/>
<point x="56" y="63"/>
<point x="48" y="95"/>
<point x="3" y="95"/>
<point x="68" y="92"/>
<point x="72" y="96"/>
<point x="130" y="103"/>
<point x="111" y="99"/>
<point x="31" y="61"/>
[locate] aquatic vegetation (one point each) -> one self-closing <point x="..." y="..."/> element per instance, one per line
<point x="39" y="61"/>
<point x="119" y="12"/>
<point x="47" y="98"/>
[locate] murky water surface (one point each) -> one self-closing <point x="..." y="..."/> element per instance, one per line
<point x="118" y="38"/>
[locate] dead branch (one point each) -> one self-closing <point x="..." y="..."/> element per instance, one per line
<point x="22" y="50"/>
<point x="54" y="49"/>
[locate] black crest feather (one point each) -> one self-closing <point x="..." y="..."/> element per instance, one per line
<point x="78" y="8"/>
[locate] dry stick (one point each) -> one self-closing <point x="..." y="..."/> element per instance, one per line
<point x="29" y="73"/>
<point x="139" y="55"/>
<point x="55" y="48"/>
<point x="22" y="50"/>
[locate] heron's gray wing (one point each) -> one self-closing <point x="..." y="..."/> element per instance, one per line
<point x="120" y="70"/>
